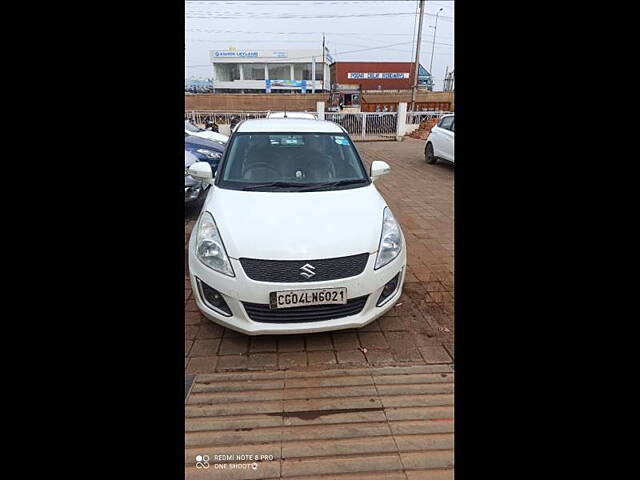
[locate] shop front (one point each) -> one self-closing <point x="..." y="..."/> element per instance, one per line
<point x="344" y="96"/>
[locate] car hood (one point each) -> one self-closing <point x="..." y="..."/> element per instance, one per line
<point x="210" y="136"/>
<point x="298" y="225"/>
<point x="193" y="143"/>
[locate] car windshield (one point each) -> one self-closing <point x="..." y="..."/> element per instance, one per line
<point x="191" y="128"/>
<point x="292" y="162"/>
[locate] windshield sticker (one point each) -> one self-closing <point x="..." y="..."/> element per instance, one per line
<point x="286" y="140"/>
<point x="341" y="141"/>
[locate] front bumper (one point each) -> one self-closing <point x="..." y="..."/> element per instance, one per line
<point x="239" y="289"/>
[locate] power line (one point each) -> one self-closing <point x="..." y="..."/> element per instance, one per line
<point x="212" y="15"/>
<point x="287" y="60"/>
<point x="209" y="30"/>
<point x="243" y="41"/>
<point x="284" y="4"/>
<point x="437" y="54"/>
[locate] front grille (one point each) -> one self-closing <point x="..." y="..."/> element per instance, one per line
<point x="259" y="312"/>
<point x="288" y="271"/>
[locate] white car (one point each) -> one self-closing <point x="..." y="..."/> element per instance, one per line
<point x="191" y="129"/>
<point x="293" y="236"/>
<point x="308" y="115"/>
<point x="440" y="141"/>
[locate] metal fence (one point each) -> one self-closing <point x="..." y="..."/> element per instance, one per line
<point x="417" y="117"/>
<point x="200" y="117"/>
<point x="359" y="125"/>
<point x="367" y="125"/>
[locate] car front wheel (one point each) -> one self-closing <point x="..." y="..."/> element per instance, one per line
<point x="429" y="157"/>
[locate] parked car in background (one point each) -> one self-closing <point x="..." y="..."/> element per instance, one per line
<point x="205" y="150"/>
<point x="294" y="237"/>
<point x="191" y="129"/>
<point x="193" y="188"/>
<point x="440" y="142"/>
<point x="309" y="115"/>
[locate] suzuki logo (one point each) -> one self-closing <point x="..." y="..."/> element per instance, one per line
<point x="307" y="271"/>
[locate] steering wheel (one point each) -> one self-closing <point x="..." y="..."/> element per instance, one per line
<point x="260" y="165"/>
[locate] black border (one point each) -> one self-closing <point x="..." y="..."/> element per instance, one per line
<point x="108" y="259"/>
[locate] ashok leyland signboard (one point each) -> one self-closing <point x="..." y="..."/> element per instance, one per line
<point x="374" y="76"/>
<point x="247" y="54"/>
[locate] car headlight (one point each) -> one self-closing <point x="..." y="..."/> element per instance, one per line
<point x="390" y="240"/>
<point x="209" y="153"/>
<point x="209" y="247"/>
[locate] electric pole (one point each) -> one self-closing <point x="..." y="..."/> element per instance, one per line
<point x="417" y="67"/>
<point x="435" y="29"/>
<point x="444" y="84"/>
<point x="323" y="69"/>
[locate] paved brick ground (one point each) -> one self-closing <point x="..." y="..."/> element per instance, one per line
<point x="346" y="424"/>
<point x="418" y="331"/>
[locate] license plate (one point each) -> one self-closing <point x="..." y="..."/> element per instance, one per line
<point x="303" y="298"/>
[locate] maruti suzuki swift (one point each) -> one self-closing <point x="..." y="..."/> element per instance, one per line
<point x="293" y="236"/>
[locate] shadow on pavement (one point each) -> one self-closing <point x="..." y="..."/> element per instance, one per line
<point x="192" y="210"/>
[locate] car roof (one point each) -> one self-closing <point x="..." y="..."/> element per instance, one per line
<point x="288" y="125"/>
<point x="292" y="115"/>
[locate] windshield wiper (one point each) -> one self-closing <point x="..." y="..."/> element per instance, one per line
<point x="324" y="186"/>
<point x="271" y="184"/>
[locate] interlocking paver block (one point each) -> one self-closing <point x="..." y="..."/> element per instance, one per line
<point x="209" y="330"/>
<point x="198" y="365"/>
<point x="345" y="341"/>
<point x="205" y="348"/>
<point x="263" y="360"/>
<point x="322" y="357"/>
<point x="292" y="360"/>
<point x="265" y="343"/>
<point x="435" y="354"/>
<point x="291" y="343"/>
<point x="234" y="345"/>
<point x="373" y="340"/>
<point x="379" y="357"/>
<point x="232" y="362"/>
<point x="319" y="341"/>
<point x="351" y="356"/>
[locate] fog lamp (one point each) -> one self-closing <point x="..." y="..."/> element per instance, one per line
<point x="388" y="290"/>
<point x="214" y="299"/>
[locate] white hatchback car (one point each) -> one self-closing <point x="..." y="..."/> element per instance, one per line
<point x="440" y="142"/>
<point x="293" y="236"/>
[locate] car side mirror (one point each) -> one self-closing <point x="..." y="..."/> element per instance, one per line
<point x="201" y="171"/>
<point x="379" y="168"/>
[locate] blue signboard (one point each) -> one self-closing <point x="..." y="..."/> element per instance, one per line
<point x="302" y="84"/>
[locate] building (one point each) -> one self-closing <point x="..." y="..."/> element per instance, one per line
<point x="352" y="79"/>
<point x="270" y="71"/>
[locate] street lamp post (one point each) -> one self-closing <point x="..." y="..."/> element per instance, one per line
<point x="435" y="29"/>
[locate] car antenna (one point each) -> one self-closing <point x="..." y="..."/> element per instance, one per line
<point x="285" y="112"/>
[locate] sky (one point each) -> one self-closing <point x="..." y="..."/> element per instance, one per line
<point x="381" y="30"/>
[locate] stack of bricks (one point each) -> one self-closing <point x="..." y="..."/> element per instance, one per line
<point x="424" y="129"/>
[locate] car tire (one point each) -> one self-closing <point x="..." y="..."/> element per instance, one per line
<point x="429" y="157"/>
